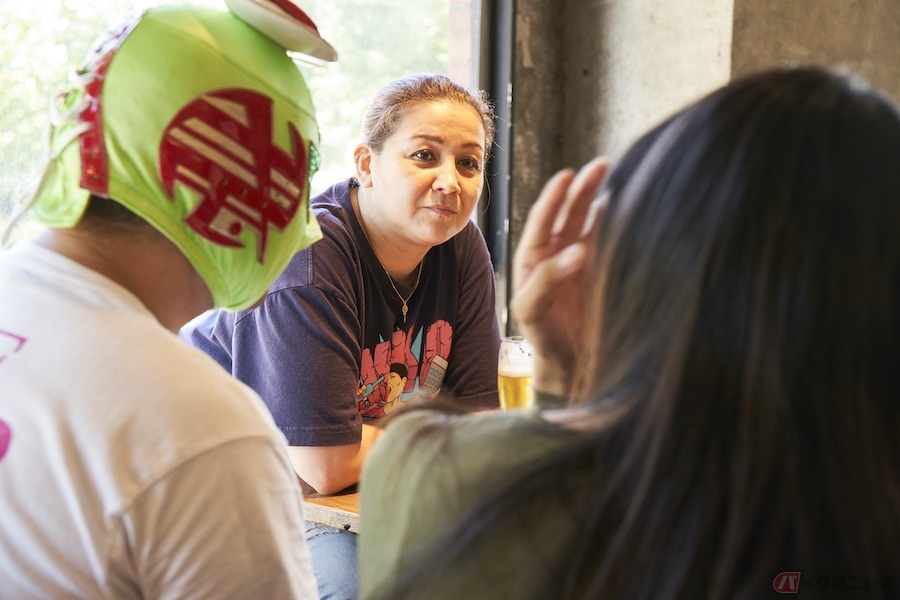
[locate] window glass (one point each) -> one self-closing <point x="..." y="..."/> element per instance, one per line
<point x="376" y="40"/>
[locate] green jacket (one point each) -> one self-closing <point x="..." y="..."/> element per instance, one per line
<point x="427" y="470"/>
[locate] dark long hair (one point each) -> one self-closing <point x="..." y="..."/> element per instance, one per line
<point x="747" y="285"/>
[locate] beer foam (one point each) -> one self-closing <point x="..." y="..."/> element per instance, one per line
<point x="517" y="369"/>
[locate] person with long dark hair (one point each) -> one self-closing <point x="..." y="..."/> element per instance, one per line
<point x="720" y="323"/>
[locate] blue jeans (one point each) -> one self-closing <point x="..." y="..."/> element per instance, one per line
<point x="333" y="555"/>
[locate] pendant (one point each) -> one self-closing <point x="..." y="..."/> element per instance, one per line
<point x="404" y="309"/>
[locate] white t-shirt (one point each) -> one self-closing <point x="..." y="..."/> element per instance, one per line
<point x="131" y="465"/>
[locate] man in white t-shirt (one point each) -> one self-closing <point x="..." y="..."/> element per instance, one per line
<point x="131" y="465"/>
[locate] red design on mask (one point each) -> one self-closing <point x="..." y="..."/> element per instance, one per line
<point x="220" y="145"/>
<point x="296" y="12"/>
<point x="94" y="166"/>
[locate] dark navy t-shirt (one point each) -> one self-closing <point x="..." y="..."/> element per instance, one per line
<point x="328" y="347"/>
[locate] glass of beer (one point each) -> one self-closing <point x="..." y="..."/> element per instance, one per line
<point x="514" y="372"/>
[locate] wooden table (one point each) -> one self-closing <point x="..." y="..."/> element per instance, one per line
<point x="339" y="510"/>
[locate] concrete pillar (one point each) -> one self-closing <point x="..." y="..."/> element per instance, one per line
<point x="589" y="76"/>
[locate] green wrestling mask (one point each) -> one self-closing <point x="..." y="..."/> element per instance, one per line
<point x="197" y="120"/>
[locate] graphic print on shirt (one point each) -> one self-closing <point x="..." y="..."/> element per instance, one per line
<point x="10" y="343"/>
<point x="396" y="369"/>
<point x="5" y="438"/>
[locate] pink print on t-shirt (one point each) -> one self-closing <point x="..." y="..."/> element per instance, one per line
<point x="10" y="343"/>
<point x="5" y="437"/>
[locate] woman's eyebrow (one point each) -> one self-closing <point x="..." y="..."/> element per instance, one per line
<point x="440" y="140"/>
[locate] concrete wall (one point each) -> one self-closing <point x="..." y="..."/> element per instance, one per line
<point x="662" y="55"/>
<point x="591" y="75"/>
<point x="860" y="35"/>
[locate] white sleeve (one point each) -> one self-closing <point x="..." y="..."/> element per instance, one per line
<point x="226" y="524"/>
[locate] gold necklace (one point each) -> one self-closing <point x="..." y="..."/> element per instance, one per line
<point x="403" y="309"/>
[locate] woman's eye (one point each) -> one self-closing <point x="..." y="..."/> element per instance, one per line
<point x="423" y="155"/>
<point x="470" y="163"/>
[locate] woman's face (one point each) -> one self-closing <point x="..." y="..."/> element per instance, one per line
<point x="429" y="175"/>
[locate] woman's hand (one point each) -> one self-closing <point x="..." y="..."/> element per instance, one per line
<point x="549" y="264"/>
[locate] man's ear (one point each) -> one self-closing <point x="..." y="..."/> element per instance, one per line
<point x="362" y="159"/>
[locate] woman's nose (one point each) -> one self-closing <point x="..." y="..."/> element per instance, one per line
<point x="447" y="179"/>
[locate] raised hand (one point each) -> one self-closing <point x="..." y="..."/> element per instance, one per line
<point x="549" y="264"/>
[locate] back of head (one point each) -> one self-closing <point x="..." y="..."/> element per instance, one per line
<point x="198" y="121"/>
<point x="749" y="274"/>
<point x="745" y="285"/>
